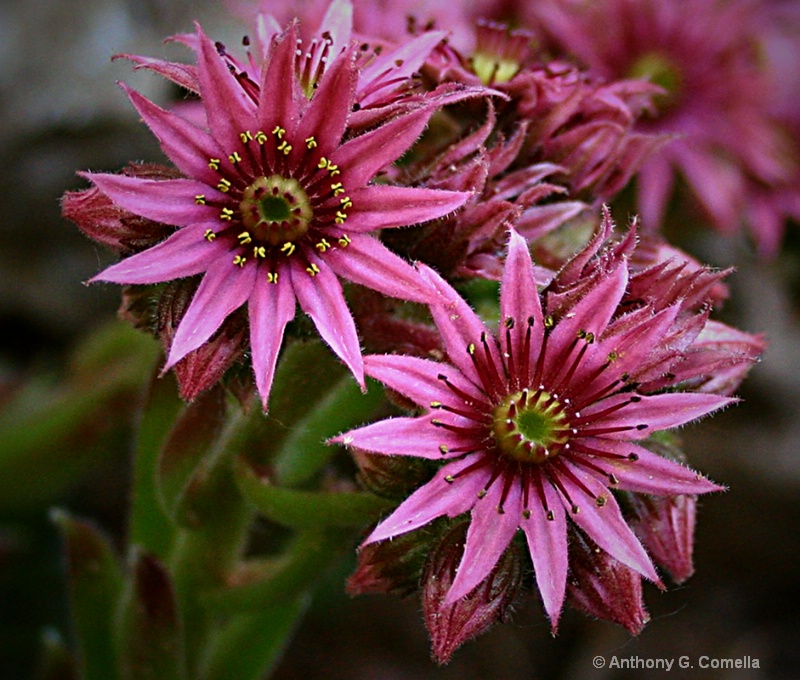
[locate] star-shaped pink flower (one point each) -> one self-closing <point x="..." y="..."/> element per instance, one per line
<point x="537" y="425"/>
<point x="276" y="204"/>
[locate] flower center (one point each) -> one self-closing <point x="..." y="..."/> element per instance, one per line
<point x="531" y="428"/>
<point x="275" y="210"/>
<point x="660" y="71"/>
<point x="499" y="53"/>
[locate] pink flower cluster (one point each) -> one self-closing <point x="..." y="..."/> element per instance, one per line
<point x="375" y="165"/>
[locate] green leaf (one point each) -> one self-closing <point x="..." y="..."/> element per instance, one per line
<point x="284" y="578"/>
<point x="250" y="645"/>
<point x="305" y="452"/>
<point x="149" y="633"/>
<point x="190" y="439"/>
<point x="308" y="509"/>
<point x="52" y="433"/>
<point x="150" y="526"/>
<point x="95" y="584"/>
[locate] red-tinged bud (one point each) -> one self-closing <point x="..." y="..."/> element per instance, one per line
<point x="391" y="566"/>
<point x="603" y="587"/>
<point x="665" y="525"/>
<point x="451" y="625"/>
<point x="390" y="476"/>
<point x="205" y="366"/>
<point x="101" y="220"/>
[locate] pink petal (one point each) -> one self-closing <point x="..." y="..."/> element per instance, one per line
<point x="654" y="186"/>
<point x="489" y="534"/>
<point x="362" y="157"/>
<point x="436" y="498"/>
<point x="590" y="314"/>
<point x="186" y="145"/>
<point x="229" y="109"/>
<point x="399" y="65"/>
<point x="547" y="543"/>
<point x="415" y="437"/>
<point x="271" y="307"/>
<point x="368" y="262"/>
<point x="418" y="379"/>
<point x="224" y="288"/>
<point x="280" y="99"/>
<point x="639" y="469"/>
<point x="459" y="325"/>
<point x="604" y="523"/>
<point x="520" y="305"/>
<point x="326" y="116"/>
<point x="383" y="206"/>
<point x="651" y="413"/>
<point x="321" y="297"/>
<point x="170" y="201"/>
<point x="184" y="253"/>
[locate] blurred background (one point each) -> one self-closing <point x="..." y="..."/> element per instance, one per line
<point x="62" y="112"/>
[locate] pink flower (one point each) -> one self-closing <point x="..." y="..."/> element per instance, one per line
<point x="537" y="425"/>
<point x="709" y="57"/>
<point x="275" y="204"/>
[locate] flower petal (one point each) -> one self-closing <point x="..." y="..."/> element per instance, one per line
<point x="325" y="118"/>
<point x="594" y="509"/>
<point x="436" y="498"/>
<point x="321" y="297"/>
<point x="520" y="310"/>
<point x="639" y="469"/>
<point x="489" y="534"/>
<point x="460" y="327"/>
<point x="590" y="314"/>
<point x="362" y="157"/>
<point x="229" y="109"/>
<point x="649" y="413"/>
<point x="224" y="288"/>
<point x="418" y="379"/>
<point x="279" y="103"/>
<point x="546" y="533"/>
<point x="184" y="253"/>
<point x="415" y="437"/>
<point x="368" y="262"/>
<point x="170" y="201"/>
<point x="271" y="307"/>
<point x="384" y="206"/>
<point x="187" y="146"/>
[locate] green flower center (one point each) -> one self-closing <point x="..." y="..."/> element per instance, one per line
<point x="276" y="210"/>
<point x="660" y="71"/>
<point x="531" y="428"/>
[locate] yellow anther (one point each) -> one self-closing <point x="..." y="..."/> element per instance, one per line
<point x="259" y="251"/>
<point x="322" y="246"/>
<point x="313" y="270"/>
<point x="311" y="142"/>
<point x="235" y="158"/>
<point x="224" y="185"/>
<point x="337" y="188"/>
<point x="333" y="169"/>
<point x="200" y="199"/>
<point x="209" y="235"/>
<point x="213" y="163"/>
<point x="323" y="163"/>
<point x="246" y="136"/>
<point x="344" y="240"/>
<point x="227" y="214"/>
<point x="340" y="217"/>
<point x="288" y="248"/>
<point x="272" y="277"/>
<point x="279" y="131"/>
<point x="239" y="260"/>
<point x="346" y="202"/>
<point x="244" y="237"/>
<point x="261" y="137"/>
<point x="285" y="147"/>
